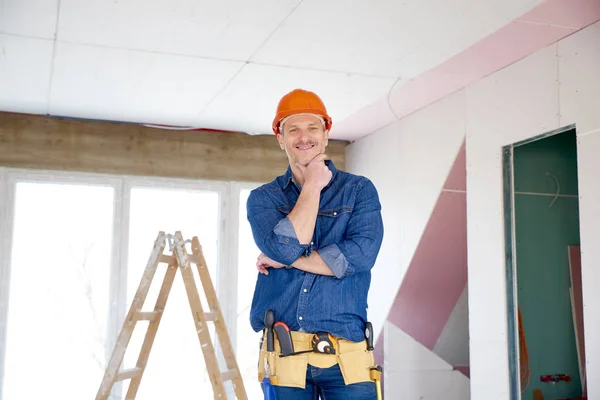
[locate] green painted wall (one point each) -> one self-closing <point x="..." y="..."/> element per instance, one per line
<point x="542" y="235"/>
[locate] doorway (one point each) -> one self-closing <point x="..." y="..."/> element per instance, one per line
<point x="545" y="313"/>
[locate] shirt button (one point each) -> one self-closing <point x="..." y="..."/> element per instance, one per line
<point x="305" y="290"/>
<point x="311" y="243"/>
<point x="300" y="318"/>
<point x="334" y="213"/>
<point x="287" y="240"/>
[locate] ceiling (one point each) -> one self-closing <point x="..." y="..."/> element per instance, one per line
<point x="225" y="64"/>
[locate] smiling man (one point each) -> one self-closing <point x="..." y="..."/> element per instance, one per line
<point x="319" y="230"/>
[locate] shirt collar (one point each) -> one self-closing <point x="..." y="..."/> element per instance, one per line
<point x="288" y="177"/>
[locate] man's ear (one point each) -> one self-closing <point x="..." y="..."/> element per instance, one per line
<point x="280" y="140"/>
<point x="326" y="138"/>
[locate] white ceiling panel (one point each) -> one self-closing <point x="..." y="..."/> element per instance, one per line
<point x="361" y="36"/>
<point x="226" y="29"/>
<point x="125" y="85"/>
<point x="462" y="25"/>
<point x="33" y="18"/>
<point x="249" y="102"/>
<point x="375" y="36"/>
<point x="178" y="62"/>
<point x="24" y="73"/>
<point x="425" y="59"/>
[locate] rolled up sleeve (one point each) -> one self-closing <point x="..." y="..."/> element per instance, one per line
<point x="273" y="232"/>
<point x="285" y="228"/>
<point x="364" y="234"/>
<point x="334" y="259"/>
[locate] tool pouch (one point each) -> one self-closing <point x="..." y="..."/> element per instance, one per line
<point x="286" y="371"/>
<point x="354" y="360"/>
<point x="356" y="365"/>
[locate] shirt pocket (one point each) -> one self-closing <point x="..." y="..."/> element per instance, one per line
<point x="333" y="223"/>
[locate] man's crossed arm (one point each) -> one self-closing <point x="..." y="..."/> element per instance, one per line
<point x="313" y="264"/>
<point x="280" y="246"/>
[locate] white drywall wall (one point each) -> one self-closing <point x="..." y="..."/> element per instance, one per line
<point x="453" y="344"/>
<point x="588" y="150"/>
<point x="513" y="104"/>
<point x="375" y="157"/>
<point x="408" y="162"/>
<point x="554" y="87"/>
<point x="579" y="85"/>
<point x="414" y="372"/>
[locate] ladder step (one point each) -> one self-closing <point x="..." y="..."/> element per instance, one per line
<point x="147" y="315"/>
<point x="178" y="261"/>
<point x="165" y="258"/>
<point x="128" y="374"/>
<point x="210" y="316"/>
<point x="229" y="375"/>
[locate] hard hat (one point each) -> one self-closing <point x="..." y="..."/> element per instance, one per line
<point x="300" y="101"/>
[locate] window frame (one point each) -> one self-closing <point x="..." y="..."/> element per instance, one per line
<point x="234" y="207"/>
<point x="6" y="205"/>
<point x="12" y="176"/>
<point x="227" y="253"/>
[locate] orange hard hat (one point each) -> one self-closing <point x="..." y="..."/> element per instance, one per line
<point x="300" y="101"/>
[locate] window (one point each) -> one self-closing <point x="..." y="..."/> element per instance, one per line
<point x="73" y="248"/>
<point x="58" y="301"/>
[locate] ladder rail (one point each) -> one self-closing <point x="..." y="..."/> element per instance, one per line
<point x="178" y="260"/>
<point x="221" y="329"/>
<point x="201" y="326"/>
<point x="126" y="332"/>
<point x="152" y="330"/>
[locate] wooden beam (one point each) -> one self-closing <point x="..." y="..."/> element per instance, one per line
<point x="41" y="142"/>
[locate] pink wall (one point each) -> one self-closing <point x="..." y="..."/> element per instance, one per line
<point x="439" y="264"/>
<point x="437" y="273"/>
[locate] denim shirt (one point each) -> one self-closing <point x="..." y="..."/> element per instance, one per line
<point x="348" y="234"/>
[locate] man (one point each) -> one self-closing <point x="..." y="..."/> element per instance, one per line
<point x="319" y="230"/>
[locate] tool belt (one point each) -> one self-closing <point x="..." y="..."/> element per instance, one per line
<point x="353" y="358"/>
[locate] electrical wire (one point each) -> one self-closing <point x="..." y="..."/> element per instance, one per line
<point x="524" y="366"/>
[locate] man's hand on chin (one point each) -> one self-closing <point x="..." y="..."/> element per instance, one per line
<point x="316" y="172"/>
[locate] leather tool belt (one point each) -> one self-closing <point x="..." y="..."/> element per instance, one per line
<point x="353" y="358"/>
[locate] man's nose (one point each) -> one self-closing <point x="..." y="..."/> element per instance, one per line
<point x="304" y="133"/>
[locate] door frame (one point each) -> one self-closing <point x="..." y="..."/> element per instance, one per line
<point x="510" y="256"/>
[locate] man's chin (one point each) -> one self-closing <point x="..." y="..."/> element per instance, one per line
<point x="305" y="159"/>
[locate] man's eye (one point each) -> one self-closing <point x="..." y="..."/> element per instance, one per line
<point x="313" y="128"/>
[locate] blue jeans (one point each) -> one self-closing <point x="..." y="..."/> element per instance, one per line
<point x="327" y="384"/>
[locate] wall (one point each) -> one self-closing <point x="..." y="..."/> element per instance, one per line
<point x="545" y="227"/>
<point x="418" y="167"/>
<point x="437" y="275"/>
<point x="409" y="163"/>
<point x="580" y="103"/>
<point x="32" y="141"/>
<point x="557" y="86"/>
<point x="414" y="372"/>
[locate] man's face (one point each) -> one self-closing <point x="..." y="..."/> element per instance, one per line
<point x="303" y="137"/>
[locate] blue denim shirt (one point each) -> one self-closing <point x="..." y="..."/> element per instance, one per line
<point x="348" y="235"/>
